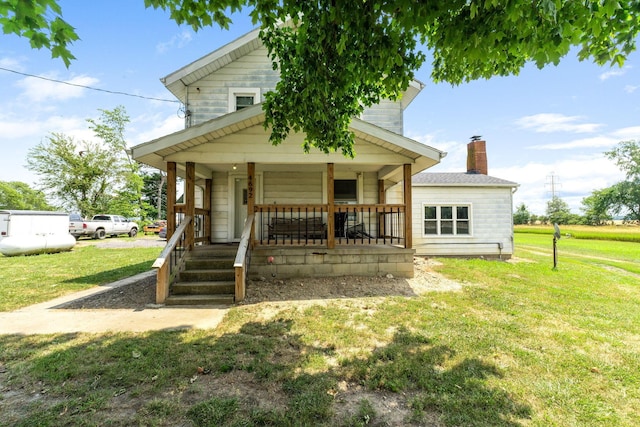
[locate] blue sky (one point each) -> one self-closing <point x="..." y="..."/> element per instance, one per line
<point x="542" y="123"/>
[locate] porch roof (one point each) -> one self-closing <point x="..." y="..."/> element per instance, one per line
<point x="239" y="137"/>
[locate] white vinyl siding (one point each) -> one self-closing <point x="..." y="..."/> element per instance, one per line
<point x="387" y="114"/>
<point x="251" y="74"/>
<point x="490" y="221"/>
<point x="220" y="207"/>
<point x="292" y="188"/>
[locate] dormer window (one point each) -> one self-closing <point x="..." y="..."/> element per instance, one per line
<point x="240" y="98"/>
<point x="243" y="101"/>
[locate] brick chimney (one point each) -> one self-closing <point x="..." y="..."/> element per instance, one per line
<point x="477" y="157"/>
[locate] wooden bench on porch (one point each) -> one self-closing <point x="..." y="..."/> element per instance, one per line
<point x="297" y="228"/>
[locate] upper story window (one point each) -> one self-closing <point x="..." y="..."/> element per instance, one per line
<point x="447" y="220"/>
<point x="240" y="98"/>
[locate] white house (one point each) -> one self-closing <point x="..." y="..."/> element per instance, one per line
<point x="290" y="213"/>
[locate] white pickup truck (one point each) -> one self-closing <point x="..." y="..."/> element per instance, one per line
<point x="101" y="226"/>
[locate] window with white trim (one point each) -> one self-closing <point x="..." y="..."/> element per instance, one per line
<point x="447" y="220"/>
<point x="240" y="98"/>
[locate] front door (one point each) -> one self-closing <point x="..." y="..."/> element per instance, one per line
<point x="240" y="205"/>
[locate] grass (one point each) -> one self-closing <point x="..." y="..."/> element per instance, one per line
<point x="26" y="280"/>
<point x="621" y="233"/>
<point x="520" y="345"/>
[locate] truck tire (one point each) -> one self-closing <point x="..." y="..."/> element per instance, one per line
<point x="133" y="232"/>
<point x="100" y="234"/>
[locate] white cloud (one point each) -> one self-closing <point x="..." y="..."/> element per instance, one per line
<point x="595" y="142"/>
<point x="12" y="127"/>
<point x="551" y="122"/>
<point x="613" y="73"/>
<point x="575" y="178"/>
<point x="155" y="126"/>
<point x="11" y="64"/>
<point x="178" y="40"/>
<point x="456" y="158"/>
<point x="628" y="133"/>
<point x="39" y="90"/>
<point x="630" y="88"/>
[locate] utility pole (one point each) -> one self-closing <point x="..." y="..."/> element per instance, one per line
<point x="553" y="184"/>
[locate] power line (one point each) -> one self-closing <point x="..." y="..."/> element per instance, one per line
<point x="91" y="88"/>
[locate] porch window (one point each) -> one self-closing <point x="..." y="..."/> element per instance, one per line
<point x="345" y="190"/>
<point x="240" y="98"/>
<point x="447" y="220"/>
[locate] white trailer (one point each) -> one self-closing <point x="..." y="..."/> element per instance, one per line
<point x="34" y="232"/>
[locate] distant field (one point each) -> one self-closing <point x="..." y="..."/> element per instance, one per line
<point x="623" y="233"/>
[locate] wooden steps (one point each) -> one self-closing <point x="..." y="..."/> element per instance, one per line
<point x="208" y="278"/>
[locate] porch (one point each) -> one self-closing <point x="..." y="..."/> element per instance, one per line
<point x="290" y="240"/>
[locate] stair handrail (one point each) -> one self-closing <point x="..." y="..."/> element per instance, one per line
<point x="170" y="261"/>
<point x="243" y="258"/>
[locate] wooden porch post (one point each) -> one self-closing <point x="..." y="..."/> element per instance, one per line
<point x="331" y="235"/>
<point x="408" y="240"/>
<point x="190" y="203"/>
<point x="382" y="199"/>
<point x="207" y="207"/>
<point x="251" y="196"/>
<point x="171" y="199"/>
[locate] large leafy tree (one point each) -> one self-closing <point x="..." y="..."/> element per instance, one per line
<point x="597" y="207"/>
<point x="623" y="198"/>
<point x="110" y="128"/>
<point x="337" y="57"/>
<point x="91" y="176"/>
<point x="76" y="174"/>
<point x="19" y="195"/>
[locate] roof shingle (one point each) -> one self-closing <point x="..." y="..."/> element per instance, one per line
<point x="456" y="179"/>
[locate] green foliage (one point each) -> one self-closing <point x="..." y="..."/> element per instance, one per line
<point x="622" y="197"/>
<point x="154" y="193"/>
<point x="18" y="195"/>
<point x="627" y="156"/>
<point x="337" y="57"/>
<point x="91" y="177"/>
<point x="558" y="211"/>
<point x="75" y="174"/>
<point x="521" y="215"/>
<point x="41" y="22"/>
<point x="597" y="207"/>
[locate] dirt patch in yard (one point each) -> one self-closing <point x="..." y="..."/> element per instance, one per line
<point x="139" y="294"/>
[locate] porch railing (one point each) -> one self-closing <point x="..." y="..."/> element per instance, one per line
<point x="243" y="259"/>
<point x="201" y="232"/>
<point x="291" y="224"/>
<point x="369" y="224"/>
<point x="170" y="261"/>
<point x="307" y="225"/>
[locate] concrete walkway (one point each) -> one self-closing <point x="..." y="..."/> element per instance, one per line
<point x="47" y="318"/>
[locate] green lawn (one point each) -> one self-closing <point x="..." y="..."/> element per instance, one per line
<point x="26" y="280"/>
<point x="520" y="345"/>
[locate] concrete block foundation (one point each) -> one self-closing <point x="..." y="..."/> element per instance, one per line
<point x="292" y="262"/>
